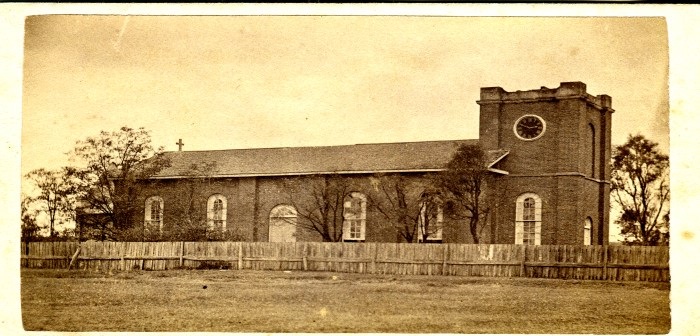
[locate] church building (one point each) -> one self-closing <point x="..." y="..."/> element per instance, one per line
<point x="548" y="153"/>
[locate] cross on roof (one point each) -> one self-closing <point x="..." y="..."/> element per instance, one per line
<point x="179" y="144"/>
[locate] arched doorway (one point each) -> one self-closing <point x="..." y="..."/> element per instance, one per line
<point x="283" y="224"/>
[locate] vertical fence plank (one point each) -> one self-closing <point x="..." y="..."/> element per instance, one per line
<point x="445" y="258"/>
<point x="240" y="255"/>
<point x="122" y="253"/>
<point x="522" y="263"/>
<point x="374" y="258"/>
<point x="182" y="254"/>
<point x="143" y="252"/>
<point x="304" y="261"/>
<point x="605" y="262"/>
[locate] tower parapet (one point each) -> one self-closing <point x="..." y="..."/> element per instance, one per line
<point x="566" y="90"/>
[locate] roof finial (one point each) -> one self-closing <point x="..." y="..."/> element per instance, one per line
<point x="179" y="144"/>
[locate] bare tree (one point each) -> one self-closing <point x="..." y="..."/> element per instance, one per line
<point x="319" y="201"/>
<point x="640" y="187"/>
<point x="411" y="205"/>
<point x="430" y="211"/>
<point x="463" y="183"/>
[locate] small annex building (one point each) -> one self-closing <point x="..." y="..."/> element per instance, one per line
<point x="548" y="152"/>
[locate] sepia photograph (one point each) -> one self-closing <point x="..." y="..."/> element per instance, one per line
<point x="359" y="172"/>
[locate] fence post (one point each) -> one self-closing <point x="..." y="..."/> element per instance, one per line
<point x="445" y="256"/>
<point x="143" y="254"/>
<point x="240" y="255"/>
<point x="25" y="252"/>
<point x="522" y="262"/>
<point x="182" y="254"/>
<point x="75" y="257"/>
<point x="304" y="262"/>
<point x="605" y="262"/>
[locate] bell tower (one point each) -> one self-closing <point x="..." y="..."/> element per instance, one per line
<point x="557" y="187"/>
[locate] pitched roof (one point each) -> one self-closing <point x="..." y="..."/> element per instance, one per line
<point x="361" y="158"/>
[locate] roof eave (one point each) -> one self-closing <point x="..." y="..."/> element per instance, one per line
<point x="498" y="159"/>
<point x="498" y="171"/>
<point x="340" y="172"/>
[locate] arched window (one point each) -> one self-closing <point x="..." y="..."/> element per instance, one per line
<point x="430" y="221"/>
<point x="587" y="226"/>
<point x="354" y="217"/>
<point x="283" y="224"/>
<point x="153" y="214"/>
<point x="528" y="219"/>
<point x="216" y="213"/>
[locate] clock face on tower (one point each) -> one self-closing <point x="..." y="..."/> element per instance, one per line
<point x="529" y="127"/>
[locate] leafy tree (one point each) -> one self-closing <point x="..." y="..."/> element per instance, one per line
<point x="406" y="203"/>
<point x="54" y="192"/>
<point x="113" y="162"/>
<point x="319" y="202"/>
<point x="30" y="227"/>
<point x="190" y="212"/>
<point x="91" y="225"/>
<point x="640" y="187"/>
<point x="463" y="183"/>
<point x="73" y="194"/>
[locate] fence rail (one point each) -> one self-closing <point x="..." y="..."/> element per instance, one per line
<point x="620" y="263"/>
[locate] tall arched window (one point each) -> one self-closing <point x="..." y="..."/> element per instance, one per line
<point x="153" y="214"/>
<point x="587" y="226"/>
<point x="528" y="219"/>
<point x="283" y="224"/>
<point x="354" y="217"/>
<point x="216" y="213"/>
<point x="430" y="221"/>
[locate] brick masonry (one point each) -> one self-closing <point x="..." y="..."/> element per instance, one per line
<point x="561" y="166"/>
<point x="566" y="167"/>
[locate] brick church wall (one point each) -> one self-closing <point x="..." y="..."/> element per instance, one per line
<point x="560" y="167"/>
<point x="250" y="222"/>
<point x="271" y="193"/>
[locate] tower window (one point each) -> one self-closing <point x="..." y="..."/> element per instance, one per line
<point x="528" y="219"/>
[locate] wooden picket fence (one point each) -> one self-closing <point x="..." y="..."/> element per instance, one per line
<point x="618" y="263"/>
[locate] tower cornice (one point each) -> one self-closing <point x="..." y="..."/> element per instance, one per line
<point x="566" y="91"/>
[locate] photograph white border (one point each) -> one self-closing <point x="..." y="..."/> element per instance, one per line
<point x="682" y="22"/>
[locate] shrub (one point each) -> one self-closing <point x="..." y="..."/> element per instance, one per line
<point x="211" y="264"/>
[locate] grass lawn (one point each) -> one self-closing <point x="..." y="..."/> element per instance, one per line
<point x="269" y="301"/>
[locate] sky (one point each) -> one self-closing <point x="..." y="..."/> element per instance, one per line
<point x="221" y="82"/>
